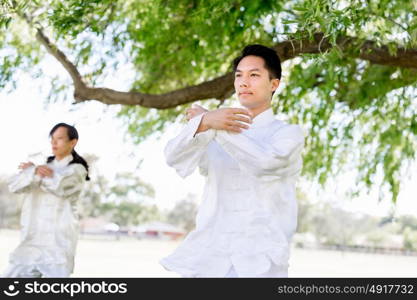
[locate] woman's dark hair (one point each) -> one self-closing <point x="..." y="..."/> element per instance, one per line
<point x="72" y="134"/>
<point x="269" y="55"/>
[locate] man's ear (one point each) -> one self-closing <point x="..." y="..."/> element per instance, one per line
<point x="275" y="84"/>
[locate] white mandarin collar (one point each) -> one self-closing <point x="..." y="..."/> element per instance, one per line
<point x="63" y="162"/>
<point x="263" y="119"/>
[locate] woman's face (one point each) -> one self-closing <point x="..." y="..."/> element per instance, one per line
<point x="61" y="145"/>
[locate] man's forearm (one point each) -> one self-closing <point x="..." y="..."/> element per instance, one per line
<point x="202" y="126"/>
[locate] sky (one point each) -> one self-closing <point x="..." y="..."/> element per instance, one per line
<point x="26" y="119"/>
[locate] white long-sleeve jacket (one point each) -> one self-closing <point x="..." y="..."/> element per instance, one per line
<point x="49" y="219"/>
<point x="248" y="213"/>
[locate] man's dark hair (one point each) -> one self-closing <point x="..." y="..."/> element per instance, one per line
<point x="269" y="55"/>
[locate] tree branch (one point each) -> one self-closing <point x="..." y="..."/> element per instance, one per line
<point x="368" y="50"/>
<point x="62" y="59"/>
<point x="222" y="87"/>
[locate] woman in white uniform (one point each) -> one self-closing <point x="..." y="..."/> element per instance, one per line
<point x="49" y="220"/>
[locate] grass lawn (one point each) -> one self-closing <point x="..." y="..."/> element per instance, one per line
<point x="128" y="257"/>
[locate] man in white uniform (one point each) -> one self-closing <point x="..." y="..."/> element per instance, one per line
<point x="251" y="162"/>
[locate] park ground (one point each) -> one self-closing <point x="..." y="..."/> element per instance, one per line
<point x="130" y="257"/>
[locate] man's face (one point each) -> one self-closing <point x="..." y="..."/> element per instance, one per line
<point x="252" y="83"/>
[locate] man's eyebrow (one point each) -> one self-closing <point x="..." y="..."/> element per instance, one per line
<point x="256" y="69"/>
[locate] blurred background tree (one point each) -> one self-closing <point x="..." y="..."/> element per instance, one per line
<point x="184" y="212"/>
<point x="127" y="200"/>
<point x="10" y="206"/>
